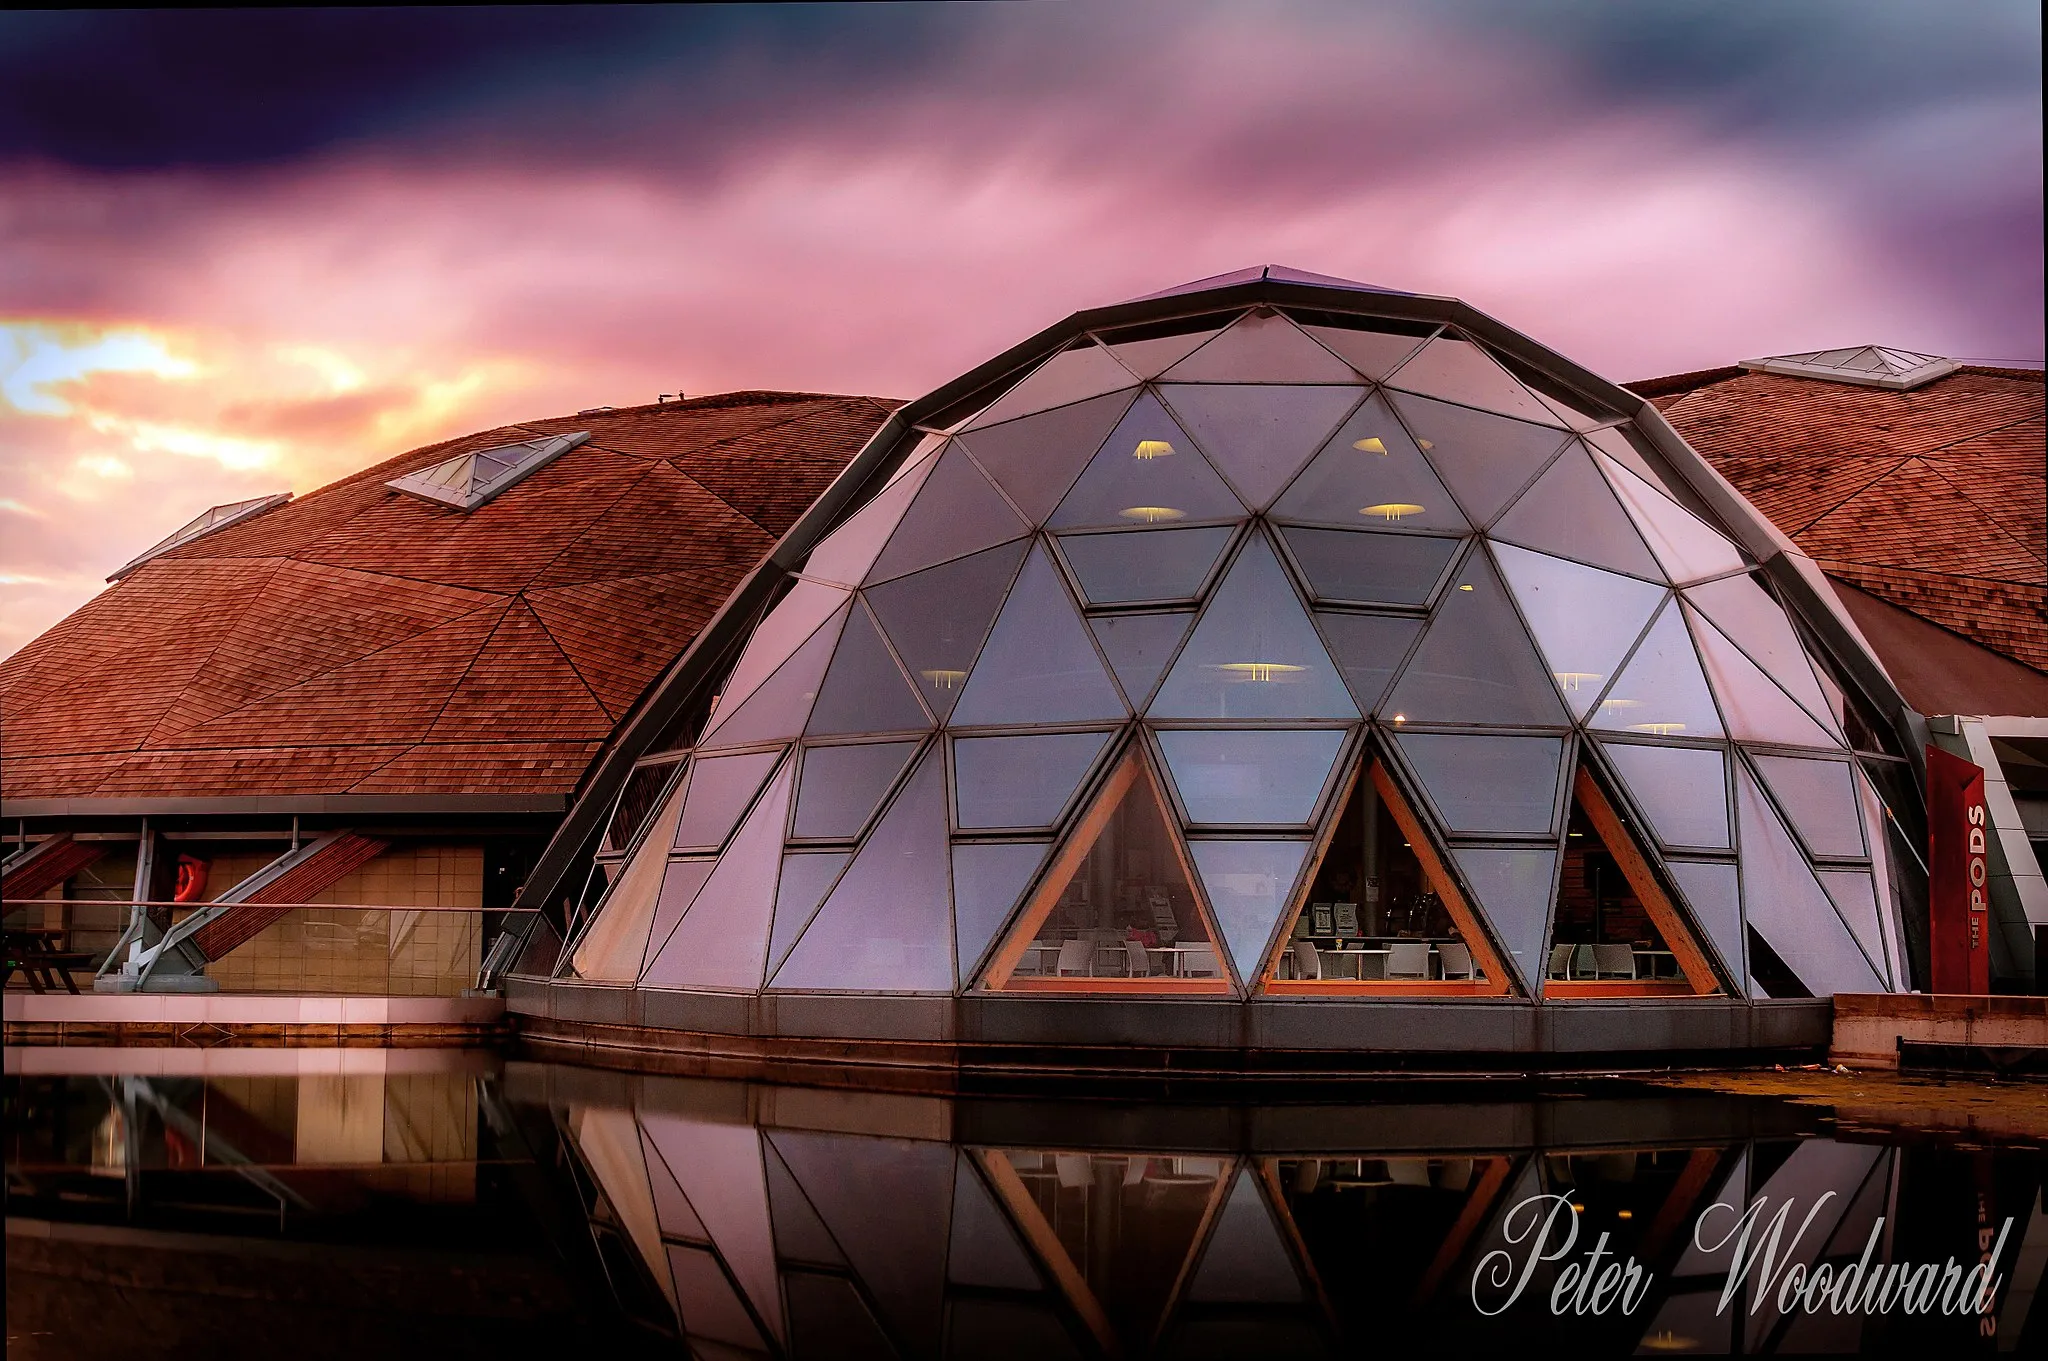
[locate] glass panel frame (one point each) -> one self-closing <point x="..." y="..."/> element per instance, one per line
<point x="871" y="767"/>
<point x="1061" y="762"/>
<point x="1414" y="567"/>
<point x="1225" y="778"/>
<point x="1099" y="563"/>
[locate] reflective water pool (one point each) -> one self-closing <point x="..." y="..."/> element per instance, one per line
<point x="417" y="1202"/>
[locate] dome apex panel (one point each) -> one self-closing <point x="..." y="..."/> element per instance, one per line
<point x="1261" y="347"/>
<point x="1075" y="374"/>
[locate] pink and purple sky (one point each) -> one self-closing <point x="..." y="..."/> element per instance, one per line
<point x="248" y="251"/>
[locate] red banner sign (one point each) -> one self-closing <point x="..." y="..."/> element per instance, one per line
<point x="1959" y="875"/>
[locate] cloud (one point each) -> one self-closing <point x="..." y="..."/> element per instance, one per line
<point x="326" y="260"/>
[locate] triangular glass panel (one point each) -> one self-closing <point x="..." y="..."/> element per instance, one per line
<point x="1075" y="374"/>
<point x="719" y="790"/>
<point x="1741" y="608"/>
<point x="1035" y="460"/>
<point x="984" y="1251"/>
<point x="1148" y="472"/>
<point x="937" y="618"/>
<point x="1785" y="905"/>
<point x="1661" y="689"/>
<point x="1819" y="799"/>
<point x="1484" y="459"/>
<point x="1250" y="777"/>
<point x="1127" y="898"/>
<point x="795" y="618"/>
<point x="719" y="1167"/>
<point x="606" y="1138"/>
<point x="1150" y="356"/>
<point x="888" y="1203"/>
<point x="1686" y="545"/>
<point x="864" y="689"/>
<point x="1756" y="709"/>
<point x="1144" y="566"/>
<point x="1254" y="654"/>
<point x="1711" y="891"/>
<point x="1614" y="442"/>
<point x="1476" y="664"/>
<point x="1462" y="372"/>
<point x="781" y="706"/>
<point x="1248" y="883"/>
<point x="1585" y="620"/>
<point x="800" y="1236"/>
<point x="1020" y="782"/>
<point x="677" y="1217"/>
<point x="1039" y="666"/>
<point x="827" y="1317"/>
<point x="1571" y="513"/>
<point x="612" y="947"/>
<point x="1368" y="649"/>
<point x="1370" y="475"/>
<point x="1683" y="791"/>
<point x="887" y="925"/>
<point x="846" y="554"/>
<point x="988" y="880"/>
<point x="1261" y="347"/>
<point x="1345" y="567"/>
<point x="1488" y="786"/>
<point x="956" y="513"/>
<point x="805" y="879"/>
<point x="722" y="940"/>
<point x="1259" y="435"/>
<point x="842" y="785"/>
<point x="706" y="1299"/>
<point x="1139" y="646"/>
<point x="1247" y="1261"/>
<point x="1374" y="354"/>
<point x="1513" y="889"/>
<point x="679" y="887"/>
<point x="1855" y="897"/>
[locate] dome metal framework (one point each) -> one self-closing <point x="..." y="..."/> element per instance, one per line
<point x="1109" y="655"/>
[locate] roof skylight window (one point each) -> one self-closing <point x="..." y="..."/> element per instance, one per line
<point x="1878" y="366"/>
<point x="208" y="521"/>
<point x="468" y="480"/>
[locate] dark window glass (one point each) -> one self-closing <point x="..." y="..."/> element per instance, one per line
<point x="842" y="785"/>
<point x="1368" y="649"/>
<point x="1488" y="786"/>
<point x="1571" y="513"/>
<point x="1484" y="459"/>
<point x="1370" y="569"/>
<point x="1037" y="458"/>
<point x="1370" y="475"/>
<point x="988" y="881"/>
<point x="1040" y="665"/>
<point x="1146" y="565"/>
<point x="956" y="513"/>
<point x="1139" y="646"/>
<point x="1251" y="777"/>
<point x="937" y="618"/>
<point x="1260" y="435"/>
<point x="1021" y="781"/>
<point x="1475" y="665"/>
<point x="1148" y="473"/>
<point x="864" y="690"/>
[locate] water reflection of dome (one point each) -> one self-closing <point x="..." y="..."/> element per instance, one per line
<point x="1554" y="720"/>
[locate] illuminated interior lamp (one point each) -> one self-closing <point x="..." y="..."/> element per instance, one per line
<point x="944" y="680"/>
<point x="1619" y="703"/>
<point x="1660" y="729"/>
<point x="1426" y="444"/>
<point x="1400" y="718"/>
<point x="1391" y="511"/>
<point x="1464" y="585"/>
<point x="1152" y="515"/>
<point x="1260" y="671"/>
<point x="1370" y="445"/>
<point x="1575" y="680"/>
<point x="1151" y="448"/>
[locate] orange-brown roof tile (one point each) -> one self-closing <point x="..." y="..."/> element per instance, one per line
<point x="359" y="640"/>
<point x="1935" y="500"/>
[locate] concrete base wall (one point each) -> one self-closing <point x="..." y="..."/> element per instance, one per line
<point x="1868" y="1027"/>
<point x="1181" y="1034"/>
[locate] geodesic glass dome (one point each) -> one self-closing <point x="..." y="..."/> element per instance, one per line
<point x="1282" y="650"/>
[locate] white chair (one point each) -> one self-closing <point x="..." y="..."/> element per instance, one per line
<point x="1560" y="961"/>
<point x="1614" y="961"/>
<point x="1585" y="964"/>
<point x="1199" y="961"/>
<point x="1408" y="959"/>
<point x="1073" y="1169"/>
<point x="1076" y="959"/>
<point x="1308" y="961"/>
<point x="1456" y="959"/>
<point x="1136" y="961"/>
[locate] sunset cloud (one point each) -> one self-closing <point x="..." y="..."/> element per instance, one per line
<point x="874" y="199"/>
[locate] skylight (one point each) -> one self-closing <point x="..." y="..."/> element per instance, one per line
<point x="1878" y="366"/>
<point x="468" y="480"/>
<point x="206" y="522"/>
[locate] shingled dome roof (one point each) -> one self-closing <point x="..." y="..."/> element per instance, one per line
<point x="360" y="644"/>
<point x="1123" y="646"/>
